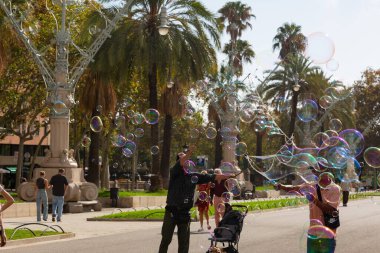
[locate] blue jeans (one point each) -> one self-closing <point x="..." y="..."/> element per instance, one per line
<point x="42" y="197"/>
<point x="320" y="245"/>
<point x="57" y="204"/>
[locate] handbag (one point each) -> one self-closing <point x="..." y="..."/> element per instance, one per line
<point x="331" y="220"/>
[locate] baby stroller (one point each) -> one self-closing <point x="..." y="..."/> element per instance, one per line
<point x="228" y="232"/>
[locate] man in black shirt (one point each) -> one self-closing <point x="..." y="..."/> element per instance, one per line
<point x="179" y="202"/>
<point x="59" y="184"/>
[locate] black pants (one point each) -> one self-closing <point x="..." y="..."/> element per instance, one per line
<point x="168" y="230"/>
<point x="345" y="197"/>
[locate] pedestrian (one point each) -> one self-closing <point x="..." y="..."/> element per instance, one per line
<point x="179" y="202"/>
<point x="59" y="184"/>
<point x="203" y="203"/>
<point x="216" y="195"/>
<point x="323" y="210"/>
<point x="41" y="196"/>
<point x="346" y="187"/>
<point x="8" y="202"/>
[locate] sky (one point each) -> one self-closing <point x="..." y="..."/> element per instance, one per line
<point x="352" y="25"/>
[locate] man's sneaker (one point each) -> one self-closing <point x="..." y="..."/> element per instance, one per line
<point x="53" y="219"/>
<point x="200" y="230"/>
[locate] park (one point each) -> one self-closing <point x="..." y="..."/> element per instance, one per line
<point x="156" y="114"/>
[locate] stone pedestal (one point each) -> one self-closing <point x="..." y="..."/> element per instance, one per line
<point x="77" y="190"/>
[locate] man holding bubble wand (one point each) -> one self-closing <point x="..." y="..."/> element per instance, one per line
<point x="182" y="183"/>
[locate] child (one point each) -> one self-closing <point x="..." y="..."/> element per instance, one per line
<point x="203" y="203"/>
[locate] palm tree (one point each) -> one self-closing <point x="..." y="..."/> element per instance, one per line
<point x="238" y="16"/>
<point x="289" y="40"/>
<point x="243" y="53"/>
<point x="137" y="47"/>
<point x="289" y="80"/>
<point x="97" y="93"/>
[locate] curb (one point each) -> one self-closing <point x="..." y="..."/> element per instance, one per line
<point x="40" y="239"/>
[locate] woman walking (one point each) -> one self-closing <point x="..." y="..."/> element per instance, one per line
<point x="8" y="202"/>
<point x="41" y="196"/>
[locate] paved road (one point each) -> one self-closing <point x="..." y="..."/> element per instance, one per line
<point x="278" y="231"/>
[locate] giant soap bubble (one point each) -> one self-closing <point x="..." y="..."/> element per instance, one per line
<point x="320" y="48"/>
<point x="307" y="110"/>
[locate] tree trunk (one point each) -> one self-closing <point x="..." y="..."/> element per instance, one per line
<point x="134" y="167"/>
<point x="105" y="171"/>
<point x="293" y="116"/>
<point x="165" y="155"/>
<point x="218" y="147"/>
<point x="20" y="161"/>
<point x="93" y="167"/>
<point x="154" y="133"/>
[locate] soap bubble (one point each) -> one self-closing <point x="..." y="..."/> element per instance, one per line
<point x="115" y="165"/>
<point x="99" y="108"/>
<point x="320" y="138"/>
<point x="226" y="197"/>
<point x="139" y="132"/>
<point x="86" y="141"/>
<point x="325" y="102"/>
<point x="246" y="115"/>
<point x="126" y="152"/>
<point x="335" y="124"/>
<point x="152" y="116"/>
<point x="126" y="102"/>
<point x="227" y="168"/>
<point x="194" y="179"/>
<point x="96" y="124"/>
<point x="337" y="157"/>
<point x="225" y="132"/>
<point x="130" y="136"/>
<point x="241" y="149"/>
<point x="320" y="48"/>
<point x="372" y="157"/>
<point x="355" y="140"/>
<point x="332" y="65"/>
<point x="138" y="119"/>
<point x="203" y="196"/>
<point x="307" y="110"/>
<point x="320" y="232"/>
<point x="130" y="114"/>
<point x="118" y="140"/>
<point x="131" y="146"/>
<point x="59" y="107"/>
<point x="154" y="150"/>
<point x="194" y="133"/>
<point x="182" y="100"/>
<point x="340" y="92"/>
<point x="211" y="133"/>
<point x="189" y="167"/>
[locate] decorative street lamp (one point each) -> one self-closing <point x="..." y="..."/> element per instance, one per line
<point x="60" y="85"/>
<point x="163" y="29"/>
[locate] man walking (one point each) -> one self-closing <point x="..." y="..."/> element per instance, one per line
<point x="59" y="184"/>
<point x="179" y="202"/>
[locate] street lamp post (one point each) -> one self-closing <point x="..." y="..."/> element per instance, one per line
<point x="60" y="85"/>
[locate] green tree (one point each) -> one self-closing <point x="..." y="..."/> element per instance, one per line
<point x="289" y="80"/>
<point x="237" y="15"/>
<point x="244" y="53"/>
<point x="366" y="94"/>
<point x="289" y="40"/>
<point x="136" y="46"/>
<point x="98" y="97"/>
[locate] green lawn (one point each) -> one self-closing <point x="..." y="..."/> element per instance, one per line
<point x="252" y="206"/>
<point x="106" y="193"/>
<point x="23" y="234"/>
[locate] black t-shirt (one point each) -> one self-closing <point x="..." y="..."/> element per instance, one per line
<point x="40" y="182"/>
<point x="58" y="182"/>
